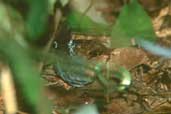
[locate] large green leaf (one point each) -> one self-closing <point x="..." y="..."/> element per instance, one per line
<point x="133" y="22"/>
<point x="25" y="73"/>
<point x="37" y="17"/>
<point x="81" y="23"/>
<point x="14" y="52"/>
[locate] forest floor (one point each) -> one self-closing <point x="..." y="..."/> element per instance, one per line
<point x="149" y="92"/>
<point x="150" y="89"/>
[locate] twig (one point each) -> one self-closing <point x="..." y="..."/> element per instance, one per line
<point x="169" y="7"/>
<point x="8" y="91"/>
<point x="85" y="12"/>
<point x="57" y="18"/>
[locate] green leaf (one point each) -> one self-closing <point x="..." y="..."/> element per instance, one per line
<point x="51" y="6"/>
<point x="18" y="57"/>
<point x="25" y="73"/>
<point x="133" y="22"/>
<point x="37" y="18"/>
<point x="9" y="17"/>
<point x="125" y="77"/>
<point x="121" y="74"/>
<point x="64" y="2"/>
<point x="78" y="22"/>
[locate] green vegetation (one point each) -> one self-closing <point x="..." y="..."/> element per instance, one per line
<point x="133" y="22"/>
<point x="19" y="32"/>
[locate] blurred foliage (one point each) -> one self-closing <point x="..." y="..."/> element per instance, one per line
<point x="37" y="18"/>
<point x="78" y="22"/>
<point x="133" y="22"/>
<point x="11" y="18"/>
<point x="25" y="73"/>
<point x="15" y="51"/>
<point x="87" y="109"/>
<point x="64" y="2"/>
<point x="106" y="79"/>
<point x="51" y="6"/>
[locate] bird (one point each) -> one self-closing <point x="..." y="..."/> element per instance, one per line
<point x="72" y="70"/>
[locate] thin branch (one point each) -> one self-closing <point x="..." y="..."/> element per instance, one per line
<point x="57" y="18"/>
<point x="8" y="91"/>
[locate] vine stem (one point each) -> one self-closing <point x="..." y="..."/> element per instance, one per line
<point x="85" y="12"/>
<point x="57" y="18"/>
